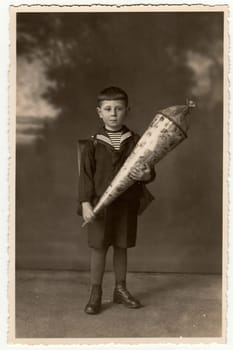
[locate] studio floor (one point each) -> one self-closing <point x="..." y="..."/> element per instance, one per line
<point x="50" y="304"/>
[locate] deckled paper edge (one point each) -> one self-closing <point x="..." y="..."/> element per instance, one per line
<point x="10" y="267"/>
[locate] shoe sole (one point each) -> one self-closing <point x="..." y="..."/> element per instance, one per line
<point x="91" y="313"/>
<point x="117" y="301"/>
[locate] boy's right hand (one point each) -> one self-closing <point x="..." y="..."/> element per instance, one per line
<point x="87" y="211"/>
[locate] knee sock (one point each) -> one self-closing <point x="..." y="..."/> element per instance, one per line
<point x="97" y="265"/>
<point x="120" y="264"/>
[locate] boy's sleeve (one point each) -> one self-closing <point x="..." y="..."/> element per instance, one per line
<point x="87" y="170"/>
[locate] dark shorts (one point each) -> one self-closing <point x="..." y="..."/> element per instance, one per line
<point x="117" y="226"/>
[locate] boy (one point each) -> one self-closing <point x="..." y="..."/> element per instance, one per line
<point x="102" y="158"/>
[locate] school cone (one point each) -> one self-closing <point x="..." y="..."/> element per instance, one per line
<point x="167" y="130"/>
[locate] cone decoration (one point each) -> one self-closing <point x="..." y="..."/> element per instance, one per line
<point x="166" y="131"/>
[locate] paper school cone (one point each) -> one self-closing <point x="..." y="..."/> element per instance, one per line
<point x="165" y="132"/>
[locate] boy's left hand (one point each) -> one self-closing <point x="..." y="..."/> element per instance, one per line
<point x="141" y="173"/>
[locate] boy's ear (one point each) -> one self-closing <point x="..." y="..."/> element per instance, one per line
<point x="98" y="111"/>
<point x="127" y="110"/>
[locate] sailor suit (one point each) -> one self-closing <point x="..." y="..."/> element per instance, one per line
<point x="117" y="223"/>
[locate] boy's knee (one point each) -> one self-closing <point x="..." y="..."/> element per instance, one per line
<point x="99" y="251"/>
<point x="120" y="249"/>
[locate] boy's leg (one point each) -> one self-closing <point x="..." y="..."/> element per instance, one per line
<point x="121" y="295"/>
<point x="98" y="257"/>
<point x="97" y="271"/>
<point x="120" y="263"/>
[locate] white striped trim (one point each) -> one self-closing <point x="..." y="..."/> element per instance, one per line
<point x="108" y="140"/>
<point x="126" y="136"/>
<point x="104" y="138"/>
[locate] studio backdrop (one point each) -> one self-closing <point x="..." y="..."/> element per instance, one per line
<point x="160" y="59"/>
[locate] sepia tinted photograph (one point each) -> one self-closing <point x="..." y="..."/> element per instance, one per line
<point x="118" y="123"/>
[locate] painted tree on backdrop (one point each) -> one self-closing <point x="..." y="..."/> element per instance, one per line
<point x="76" y="48"/>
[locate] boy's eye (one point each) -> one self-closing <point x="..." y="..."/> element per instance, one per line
<point x="108" y="109"/>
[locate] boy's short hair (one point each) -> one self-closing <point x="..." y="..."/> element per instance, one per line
<point x="112" y="93"/>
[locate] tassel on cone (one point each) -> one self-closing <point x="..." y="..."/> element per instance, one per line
<point x="167" y="129"/>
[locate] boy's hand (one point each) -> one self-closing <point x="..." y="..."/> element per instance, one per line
<point x="141" y="173"/>
<point x="87" y="211"/>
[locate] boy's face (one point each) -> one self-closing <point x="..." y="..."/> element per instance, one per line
<point x="113" y="113"/>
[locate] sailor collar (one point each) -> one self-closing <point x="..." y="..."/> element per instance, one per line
<point x="103" y="137"/>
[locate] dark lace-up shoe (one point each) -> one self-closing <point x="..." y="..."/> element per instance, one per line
<point x="122" y="296"/>
<point x="94" y="304"/>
